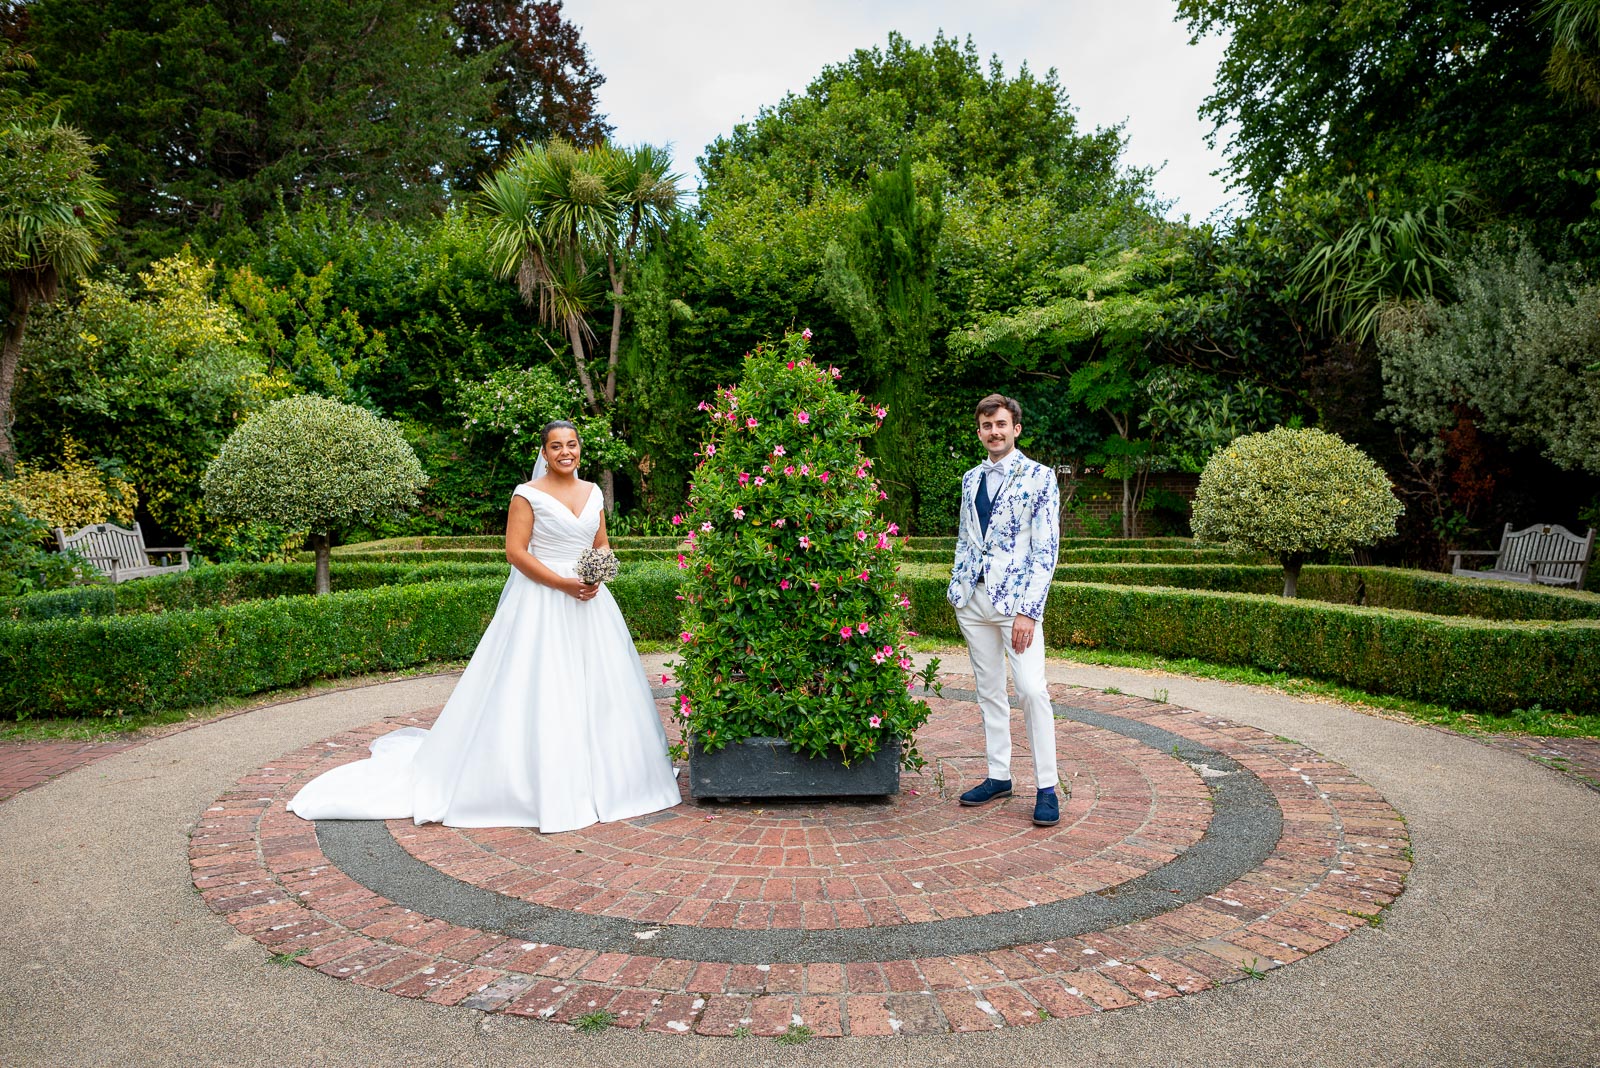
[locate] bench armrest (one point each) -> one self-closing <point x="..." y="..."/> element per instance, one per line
<point x="1474" y="552"/>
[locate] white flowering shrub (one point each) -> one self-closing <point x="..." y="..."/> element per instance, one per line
<point x="317" y="465"/>
<point x="1291" y="493"/>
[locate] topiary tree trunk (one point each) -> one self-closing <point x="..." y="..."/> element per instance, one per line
<point x="1291" y="573"/>
<point x="321" y="546"/>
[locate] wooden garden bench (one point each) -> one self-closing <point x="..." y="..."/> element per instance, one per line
<point x="1550" y="555"/>
<point x="121" y="554"/>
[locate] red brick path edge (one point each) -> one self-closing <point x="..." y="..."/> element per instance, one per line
<point x="30" y="764"/>
<point x="1342" y="857"/>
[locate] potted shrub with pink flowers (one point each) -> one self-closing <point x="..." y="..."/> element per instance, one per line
<point x="794" y="679"/>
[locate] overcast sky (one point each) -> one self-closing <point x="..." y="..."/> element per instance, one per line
<point x="685" y="72"/>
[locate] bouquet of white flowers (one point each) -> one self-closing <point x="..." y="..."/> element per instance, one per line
<point x="597" y="565"/>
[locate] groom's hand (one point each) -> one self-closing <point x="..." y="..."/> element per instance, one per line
<point x="1021" y="633"/>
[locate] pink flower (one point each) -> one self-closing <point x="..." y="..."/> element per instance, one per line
<point x="789" y="470"/>
<point x="677" y="520"/>
<point x="883" y="541"/>
<point x="744" y="478"/>
<point x="862" y="576"/>
<point x="905" y="663"/>
<point x="751" y="422"/>
<point x="894" y="528"/>
<point x="882" y="496"/>
<point x="779" y="522"/>
<point x="733" y="402"/>
<point x="861" y="535"/>
<point x="887" y="650"/>
<point x="816" y="585"/>
<point x="738" y="513"/>
<point x="760" y="481"/>
<point x="665" y="679"/>
<point x="862" y="628"/>
<point x="766" y="469"/>
<point x="711" y="450"/>
<point x="685" y="636"/>
<point x="874" y="721"/>
<point x="844" y="632"/>
<point x="707" y="527"/>
<point x="790" y="365"/>
<point x="703" y="406"/>
<point x="834" y="371"/>
<point x="824" y="476"/>
<point x="877" y="658"/>
<point x="783" y="585"/>
<point x="683" y="565"/>
<point x="880" y="411"/>
<point x="806" y="333"/>
<point x="805" y="542"/>
<point x="905" y="602"/>
<point x="805" y="469"/>
<point x="802" y="417"/>
<point x="777" y="450"/>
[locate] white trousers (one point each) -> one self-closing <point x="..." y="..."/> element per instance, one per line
<point x="988" y="635"/>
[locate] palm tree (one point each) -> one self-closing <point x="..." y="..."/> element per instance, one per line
<point x="645" y="196"/>
<point x="53" y="214"/>
<point x="557" y="212"/>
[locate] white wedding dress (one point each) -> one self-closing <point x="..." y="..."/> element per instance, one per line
<point x="551" y="726"/>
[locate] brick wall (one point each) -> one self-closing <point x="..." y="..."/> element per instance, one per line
<point x="1092" y="506"/>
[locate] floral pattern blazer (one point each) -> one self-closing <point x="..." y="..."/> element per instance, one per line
<point x="1018" y="557"/>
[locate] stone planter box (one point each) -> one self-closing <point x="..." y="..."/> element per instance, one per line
<point x="767" y="767"/>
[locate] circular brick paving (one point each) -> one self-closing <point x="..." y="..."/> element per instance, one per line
<point x="1193" y="851"/>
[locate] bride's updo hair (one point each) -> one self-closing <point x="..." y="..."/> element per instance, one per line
<point x="556" y="424"/>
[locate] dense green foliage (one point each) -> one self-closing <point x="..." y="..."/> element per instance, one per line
<point x="1292" y="493"/>
<point x="793" y="626"/>
<point x="316" y="466"/>
<point x="106" y="665"/>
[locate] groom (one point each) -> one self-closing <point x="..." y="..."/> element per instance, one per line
<point x="1005" y="558"/>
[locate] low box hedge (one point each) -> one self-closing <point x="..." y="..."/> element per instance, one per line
<point x="484" y="541"/>
<point x="1489" y="665"/>
<point x="115" y="664"/>
<point x="1377" y="587"/>
<point x="107" y="664"/>
<point x="466" y="556"/>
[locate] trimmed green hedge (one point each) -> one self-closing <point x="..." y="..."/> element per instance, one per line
<point x="155" y="660"/>
<point x="1115" y="554"/>
<point x="467" y="556"/>
<point x="483" y="541"/>
<point x="948" y="545"/>
<point x="1377" y="587"/>
<point x="226" y="584"/>
<point x="1467" y="663"/>
<point x="118" y="664"/>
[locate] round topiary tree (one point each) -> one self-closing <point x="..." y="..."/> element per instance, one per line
<point x="792" y="624"/>
<point x="313" y="464"/>
<point x="1294" y="492"/>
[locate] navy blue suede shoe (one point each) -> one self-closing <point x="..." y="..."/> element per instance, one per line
<point x="1046" y="810"/>
<point x="986" y="791"/>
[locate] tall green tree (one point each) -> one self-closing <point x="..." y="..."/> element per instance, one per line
<point x="54" y="213"/>
<point x="1418" y="95"/>
<point x="208" y="108"/>
<point x="567" y="223"/>
<point x="880" y="278"/>
<point x="548" y="84"/>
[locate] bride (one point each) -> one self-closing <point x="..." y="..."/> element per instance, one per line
<point x="552" y="724"/>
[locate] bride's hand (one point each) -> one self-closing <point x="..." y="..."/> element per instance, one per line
<point x="583" y="591"/>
